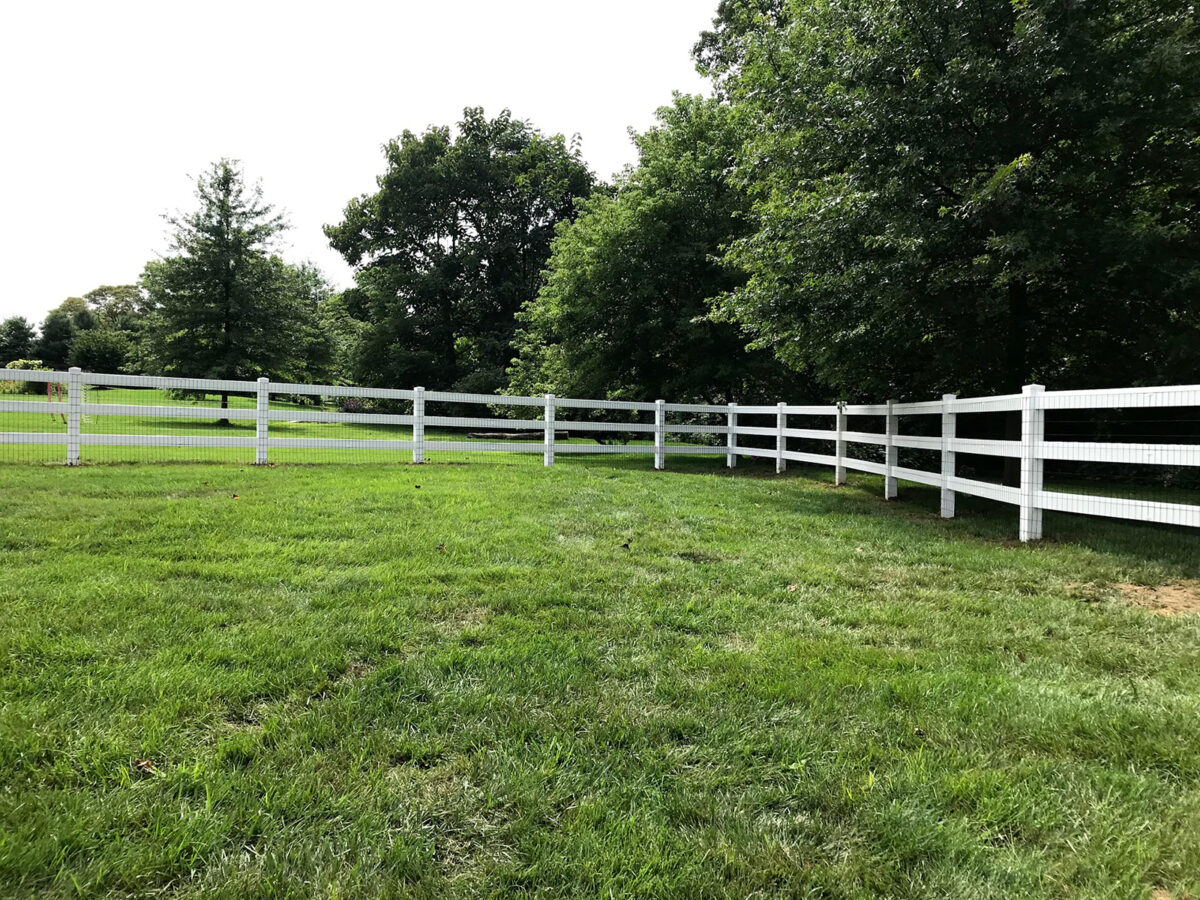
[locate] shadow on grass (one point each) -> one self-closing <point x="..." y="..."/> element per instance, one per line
<point x="1175" y="548"/>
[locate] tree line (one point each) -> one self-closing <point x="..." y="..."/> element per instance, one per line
<point x="879" y="199"/>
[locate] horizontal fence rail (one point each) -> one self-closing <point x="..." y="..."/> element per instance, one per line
<point x="552" y="417"/>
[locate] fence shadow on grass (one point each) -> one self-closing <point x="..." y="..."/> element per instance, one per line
<point x="1176" y="549"/>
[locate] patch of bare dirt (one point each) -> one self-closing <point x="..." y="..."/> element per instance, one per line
<point x="1178" y="598"/>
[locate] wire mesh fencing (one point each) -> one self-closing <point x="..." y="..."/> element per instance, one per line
<point x="1132" y="453"/>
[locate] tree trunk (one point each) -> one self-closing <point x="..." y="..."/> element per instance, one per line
<point x="224" y="405"/>
<point x="1017" y="368"/>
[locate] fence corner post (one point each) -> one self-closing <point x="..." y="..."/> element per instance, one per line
<point x="660" y="435"/>
<point x="262" y="422"/>
<point x="891" y="455"/>
<point x="731" y="437"/>
<point x="780" y="440"/>
<point x="839" y="445"/>
<point x="74" y="413"/>
<point x="1033" y="467"/>
<point x="949" y="467"/>
<point x="548" y="454"/>
<point x="419" y="425"/>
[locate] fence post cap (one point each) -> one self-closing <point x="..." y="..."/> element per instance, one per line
<point x="946" y="397"/>
<point x="549" y="396"/>
<point x="264" y="380"/>
<point x="781" y="403"/>
<point x="1033" y="389"/>
<point x="74" y="370"/>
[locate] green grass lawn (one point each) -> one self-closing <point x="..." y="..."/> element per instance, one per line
<point x="458" y="681"/>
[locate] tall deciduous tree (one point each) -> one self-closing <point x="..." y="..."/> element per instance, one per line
<point x="968" y="196"/>
<point x="117" y="306"/>
<point x="222" y="305"/>
<point x="622" y="314"/>
<point x="452" y="244"/>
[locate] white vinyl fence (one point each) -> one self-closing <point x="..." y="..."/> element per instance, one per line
<point x="551" y="415"/>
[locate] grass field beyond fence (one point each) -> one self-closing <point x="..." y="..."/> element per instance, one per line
<point x="592" y="680"/>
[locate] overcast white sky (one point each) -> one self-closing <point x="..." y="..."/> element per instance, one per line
<point x="108" y="108"/>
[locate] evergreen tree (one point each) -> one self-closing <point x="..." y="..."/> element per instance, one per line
<point x="222" y="306"/>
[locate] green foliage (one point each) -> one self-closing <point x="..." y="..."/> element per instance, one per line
<point x="317" y="344"/>
<point x="118" y="306"/>
<point x="124" y="309"/>
<point x="100" y="350"/>
<point x="17" y="339"/>
<point x="967" y="196"/>
<point x="57" y="333"/>
<point x="222" y="305"/>
<point x="24" y="387"/>
<point x="451" y="245"/>
<point x="345" y="336"/>
<point x="622" y="314"/>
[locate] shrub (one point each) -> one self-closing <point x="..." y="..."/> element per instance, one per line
<point x="25" y="387"/>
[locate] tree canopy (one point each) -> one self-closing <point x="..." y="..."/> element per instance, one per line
<point x="17" y="339"/>
<point x="452" y="244"/>
<point x="966" y="196"/>
<point x="622" y="313"/>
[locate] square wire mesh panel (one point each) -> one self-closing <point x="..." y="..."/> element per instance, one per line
<point x="1132" y="453"/>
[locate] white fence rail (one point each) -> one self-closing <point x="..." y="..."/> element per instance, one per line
<point x="1032" y="450"/>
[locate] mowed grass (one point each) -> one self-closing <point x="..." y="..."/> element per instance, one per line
<point x="594" y="680"/>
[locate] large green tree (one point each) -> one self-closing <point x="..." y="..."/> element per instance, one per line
<point x="17" y="339"/>
<point x="967" y="196"/>
<point x="622" y="313"/>
<point x="100" y="350"/>
<point x="222" y="305"/>
<point x="452" y="244"/>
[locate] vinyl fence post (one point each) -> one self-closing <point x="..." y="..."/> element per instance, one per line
<point x="839" y="444"/>
<point x="74" y="413"/>
<point x="1033" y="433"/>
<point x="891" y="457"/>
<point x="949" y="433"/>
<point x="780" y="440"/>
<point x="660" y="435"/>
<point x="419" y="425"/>
<point x="731" y="438"/>
<point x="262" y="420"/>
<point x="548" y="455"/>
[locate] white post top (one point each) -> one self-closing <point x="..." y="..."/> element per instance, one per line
<point x="264" y="380"/>
<point x="1033" y="389"/>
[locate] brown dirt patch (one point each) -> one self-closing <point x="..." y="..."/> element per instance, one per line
<point x="1175" y="599"/>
